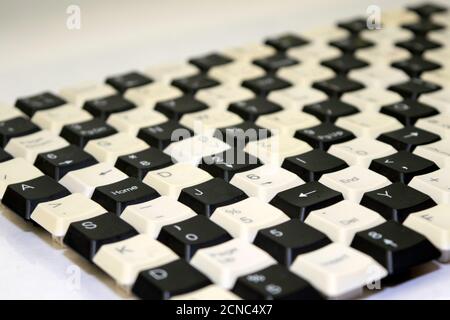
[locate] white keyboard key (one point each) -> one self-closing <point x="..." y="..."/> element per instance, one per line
<point x="265" y="181"/>
<point x="439" y="55"/>
<point x="340" y="222"/>
<point x="296" y="97"/>
<point x="245" y="218"/>
<point x="361" y="151"/>
<point x="286" y="122"/>
<point x="378" y="76"/>
<point x="236" y="72"/>
<point x="326" y="34"/>
<point x="435" y="184"/>
<point x="275" y="149"/>
<point x="171" y="180"/>
<point x="54" y="119"/>
<point x="442" y="18"/>
<point x="369" y="124"/>
<point x="397" y="17"/>
<point x="304" y="75"/>
<point x="313" y="53"/>
<point x="438" y="152"/>
<point x="438" y="124"/>
<point x="85" y="180"/>
<point x="56" y="216"/>
<point x="222" y="96"/>
<point x="440" y="76"/>
<point x="150" y="94"/>
<point x="132" y="120"/>
<point x="371" y="99"/>
<point x="439" y="99"/>
<point x="211" y="292"/>
<point x="108" y="149"/>
<point x="434" y="224"/>
<point x="442" y="36"/>
<point x="167" y="72"/>
<point x="8" y="112"/>
<point x="124" y="260"/>
<point x="382" y="55"/>
<point x="192" y="150"/>
<point x="354" y="181"/>
<point x="28" y="147"/>
<point x="207" y="121"/>
<point x="78" y="95"/>
<point x="226" y="262"/>
<point x="16" y="170"/>
<point x="250" y="52"/>
<point x="149" y="217"/>
<point x="338" y="271"/>
<point x="387" y="36"/>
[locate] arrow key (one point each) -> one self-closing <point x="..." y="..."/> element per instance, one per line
<point x="408" y="138"/>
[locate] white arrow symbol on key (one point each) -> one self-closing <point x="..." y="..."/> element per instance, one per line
<point x="412" y="134"/>
<point x="305" y="195"/>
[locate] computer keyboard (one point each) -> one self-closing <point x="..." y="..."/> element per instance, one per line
<point x="313" y="165"/>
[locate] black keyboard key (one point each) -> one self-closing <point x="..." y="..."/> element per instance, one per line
<point x="251" y="109"/>
<point x="354" y="26"/>
<point x="192" y="84"/>
<point x="413" y="88"/>
<point x="310" y="166"/>
<point x="330" y="110"/>
<point x="206" y="62"/>
<point x="324" y="135"/>
<point x="160" y="135"/>
<point x="423" y="26"/>
<point x="427" y="9"/>
<point x="4" y="156"/>
<point x="337" y="86"/>
<point x="172" y="279"/>
<point x="187" y="236"/>
<point x="58" y="163"/>
<point x="286" y="241"/>
<point x="129" y="80"/>
<point x="266" y="84"/>
<point x="24" y="196"/>
<point x="43" y="101"/>
<point x="408" y="138"/>
<point x="409" y="111"/>
<point x="138" y="164"/>
<point x="415" y="66"/>
<point x="274" y="283"/>
<point x="81" y="133"/>
<point x="16" y="127"/>
<point x="275" y="62"/>
<point x="298" y="202"/>
<point x="397" y="201"/>
<point x="402" y="166"/>
<point x="351" y="44"/>
<point x="239" y="135"/>
<point x="396" y="247"/>
<point x="117" y="196"/>
<point x="176" y="108"/>
<point x="418" y="45"/>
<point x="286" y="41"/>
<point x="103" y="107"/>
<point x="206" y="197"/>
<point x="344" y="64"/>
<point x="87" y="236"/>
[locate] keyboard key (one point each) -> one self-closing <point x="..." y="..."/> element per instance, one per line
<point x="428" y="9"/>
<point x="87" y="236"/>
<point x="125" y="259"/>
<point x="305" y="74"/>
<point x="206" y="197"/>
<point x="244" y="219"/>
<point x="103" y="107"/>
<point x="265" y="84"/>
<point x="296" y="97"/>
<point x="224" y="95"/>
<point x="178" y="107"/>
<point x="207" y="121"/>
<point x="137" y="164"/>
<point x="439" y="99"/>
<point x="211" y="292"/>
<point x="226" y="262"/>
<point x="85" y="180"/>
<point x="236" y="72"/>
<point x="265" y="182"/>
<point x="434" y="184"/>
<point x="439" y="124"/>
<point x="172" y="279"/>
<point x="423" y="27"/>
<point x="341" y="221"/>
<point x="433" y="224"/>
<point x="351" y="44"/>
<point x="408" y="138"/>
<point x="149" y="217"/>
<point x="310" y="166"/>
<point x="324" y="135"/>
<point x="117" y="196"/>
<point x="161" y="135"/>
<point x="344" y="64"/>
<point x="354" y="26"/>
<point x="330" y="110"/>
<point x="369" y="124"/>
<point x="274" y="283"/>
<point x="382" y="55"/>
<point x="354" y="181"/>
<point x="29" y="146"/>
<point x="16" y="170"/>
<point x="287" y="122"/>
<point x="286" y="41"/>
<point x="55" y="119"/>
<point x="55" y="216"/>
<point x="128" y="80"/>
<point x="299" y="201"/>
<point x="395" y="247"/>
<point x="42" y="101"/>
<point x="371" y="99"/>
<point x="79" y="94"/>
<point x="150" y="94"/>
<point x="195" y="83"/>
<point x="315" y="52"/>
<point x="413" y="88"/>
<point x="402" y="166"/>
<point x="418" y="45"/>
<point x="165" y="73"/>
<point x="337" y="86"/>
<point x="186" y="237"/>
<point x="251" y="109"/>
<point x="237" y="136"/>
<point x="133" y="120"/>
<point x="24" y="196"/>
<point x="206" y="62"/>
<point x="361" y="151"/>
<point x="58" y="163"/>
<point x="250" y="52"/>
<point x="378" y="76"/>
<point x="338" y="271"/>
<point x="438" y="152"/>
<point x="276" y="62"/>
<point x="16" y="127"/>
<point x="171" y="180"/>
<point x="415" y="66"/>
<point x="81" y="133"/>
<point x="4" y="156"/>
<point x="408" y="112"/>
